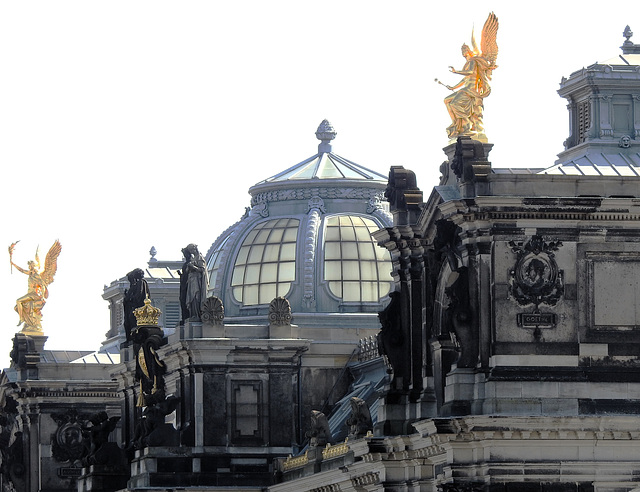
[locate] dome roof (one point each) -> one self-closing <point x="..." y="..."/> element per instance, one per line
<point x="307" y="237"/>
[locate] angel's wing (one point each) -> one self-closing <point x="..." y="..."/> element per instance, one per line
<point x="51" y="262"/>
<point x="488" y="43"/>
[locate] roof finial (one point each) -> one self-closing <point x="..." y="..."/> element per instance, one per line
<point x="628" y="48"/>
<point x="325" y="133"/>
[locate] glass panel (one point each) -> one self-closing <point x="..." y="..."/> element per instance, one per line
<point x="363" y="234"/>
<point x="269" y="273"/>
<point x="349" y="251"/>
<point x="288" y="252"/>
<point x="267" y="293"/>
<point x="332" y="271"/>
<point x="242" y="255"/>
<point x="255" y="255"/>
<point x="237" y="293"/>
<point x="344" y="220"/>
<point x="262" y="237"/>
<point x="336" y="288"/>
<point x="384" y="271"/>
<point x="250" y="295"/>
<point x="253" y="274"/>
<point x="290" y="235"/>
<point x="287" y="272"/>
<point x="351" y="291"/>
<point x="332" y="234"/>
<point x="283" y="289"/>
<point x="382" y="254"/>
<point x="366" y="251"/>
<point x="251" y="236"/>
<point x="368" y="270"/>
<point x="271" y="252"/>
<point x="350" y="270"/>
<point x="238" y="275"/>
<point x="347" y="234"/>
<point x="276" y="235"/>
<point x="332" y="251"/>
<point x="369" y="291"/>
<point x="385" y="288"/>
<point x="332" y="221"/>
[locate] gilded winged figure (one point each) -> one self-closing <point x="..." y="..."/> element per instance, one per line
<point x="466" y="104"/>
<point x="29" y="306"/>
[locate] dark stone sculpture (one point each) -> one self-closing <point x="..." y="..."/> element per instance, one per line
<point x="319" y="433"/>
<point x="458" y="319"/>
<point x="193" y="284"/>
<point x="359" y="422"/>
<point x="213" y="311"/>
<point x="393" y="342"/>
<point x="280" y="312"/>
<point x="134" y="298"/>
<point x="152" y="430"/>
<point x="101" y="451"/>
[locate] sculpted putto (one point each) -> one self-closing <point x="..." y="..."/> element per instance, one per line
<point x="29" y="306"/>
<point x="466" y="104"/>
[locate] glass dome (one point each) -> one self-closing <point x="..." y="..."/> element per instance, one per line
<point x="307" y="237"/>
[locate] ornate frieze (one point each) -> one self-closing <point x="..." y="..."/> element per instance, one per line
<point x="354" y="193"/>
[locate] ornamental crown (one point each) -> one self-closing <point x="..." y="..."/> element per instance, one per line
<point x="147" y="315"/>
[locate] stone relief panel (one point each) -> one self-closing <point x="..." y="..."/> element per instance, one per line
<point x="613" y="290"/>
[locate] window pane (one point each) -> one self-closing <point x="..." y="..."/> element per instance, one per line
<point x="384" y="271"/>
<point x="262" y="237"/>
<point x="283" y="289"/>
<point x="368" y="270"/>
<point x="276" y="235"/>
<point x="363" y="234"/>
<point x="255" y="255"/>
<point x="242" y="255"/>
<point x="252" y="275"/>
<point x="288" y="252"/>
<point x="366" y="251"/>
<point x="332" y="251"/>
<point x="369" y="291"/>
<point x="271" y="252"/>
<point x="250" y="295"/>
<point x="287" y="272"/>
<point x="267" y="293"/>
<point x="351" y="291"/>
<point x="332" y="234"/>
<point x="269" y="273"/>
<point x="350" y="270"/>
<point x="290" y="235"/>
<point x="237" y="293"/>
<point x="332" y="271"/>
<point x="238" y="276"/>
<point x="347" y="234"/>
<point x="336" y="288"/>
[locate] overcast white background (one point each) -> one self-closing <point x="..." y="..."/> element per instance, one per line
<point x="131" y="124"/>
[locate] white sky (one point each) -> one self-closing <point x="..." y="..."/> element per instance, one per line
<point x="127" y="124"/>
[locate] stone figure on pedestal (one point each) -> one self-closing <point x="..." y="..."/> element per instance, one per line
<point x="193" y="283"/>
<point x="134" y="298"/>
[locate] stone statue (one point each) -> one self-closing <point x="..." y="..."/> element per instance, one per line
<point x="466" y="104"/>
<point x="152" y="430"/>
<point x="101" y="451"/>
<point x="29" y="306"/>
<point x="359" y="422"/>
<point x="319" y="432"/>
<point x="134" y="298"/>
<point x="194" y="283"/>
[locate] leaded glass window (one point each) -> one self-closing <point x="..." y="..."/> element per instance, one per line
<point x="214" y="262"/>
<point x="355" y="268"/>
<point x="266" y="263"/>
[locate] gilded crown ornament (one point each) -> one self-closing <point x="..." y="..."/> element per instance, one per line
<point x="147" y="315"/>
<point x="466" y="104"/>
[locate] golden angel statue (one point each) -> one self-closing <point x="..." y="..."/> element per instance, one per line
<point x="29" y="306"/>
<point x="465" y="105"/>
